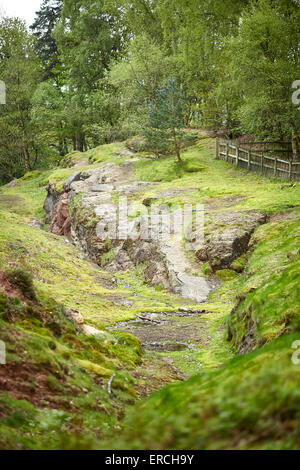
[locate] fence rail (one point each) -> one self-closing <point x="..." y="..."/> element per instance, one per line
<point x="255" y="160"/>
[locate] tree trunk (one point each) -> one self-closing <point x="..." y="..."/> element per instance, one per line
<point x="296" y="145"/>
<point x="27" y="157"/>
<point x="179" y="158"/>
<point x="80" y="141"/>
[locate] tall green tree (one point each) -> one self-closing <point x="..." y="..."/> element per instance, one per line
<point x="164" y="129"/>
<point x="89" y="36"/>
<point x="138" y="77"/>
<point x="20" y="70"/>
<point x="264" y="64"/>
<point x="43" y="28"/>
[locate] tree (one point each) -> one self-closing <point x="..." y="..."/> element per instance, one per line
<point x="89" y="36"/>
<point x="164" y="131"/>
<point x="264" y="64"/>
<point x="42" y="28"/>
<point x="20" y="70"/>
<point x="138" y="76"/>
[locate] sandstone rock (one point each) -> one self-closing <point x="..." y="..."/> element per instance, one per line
<point x="61" y="222"/>
<point x="102" y="188"/>
<point x="12" y="184"/>
<point x="144" y="252"/>
<point x="124" y="153"/>
<point x="227" y="237"/>
<point x="82" y="164"/>
<point x="36" y="224"/>
<point x="74" y="316"/>
<point x="94" y="199"/>
<point x="51" y="200"/>
<point x="157" y="273"/>
<point x="75" y="177"/>
<point x="122" y="262"/>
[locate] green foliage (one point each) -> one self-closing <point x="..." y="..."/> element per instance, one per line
<point x="166" y="120"/>
<point x="264" y="65"/>
<point x="108" y="257"/>
<point x="43" y="26"/>
<point x="22" y="280"/>
<point x="20" y="144"/>
<point x="137" y="77"/>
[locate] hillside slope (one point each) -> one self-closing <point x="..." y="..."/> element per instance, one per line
<point x="251" y="255"/>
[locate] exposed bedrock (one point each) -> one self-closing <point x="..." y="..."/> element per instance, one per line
<point x="227" y="237"/>
<point x="84" y="210"/>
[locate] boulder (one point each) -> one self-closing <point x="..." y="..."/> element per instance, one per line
<point x="12" y="184"/>
<point x="75" y="177"/>
<point x="137" y="144"/>
<point x="34" y="223"/>
<point x="98" y="188"/>
<point x="227" y="237"/>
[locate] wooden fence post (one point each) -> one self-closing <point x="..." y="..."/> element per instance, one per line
<point x="275" y="167"/>
<point x="262" y="164"/>
<point x="290" y="170"/>
<point x="249" y="160"/>
<point x="237" y="155"/>
<point x="217" y="148"/>
<point x="226" y="151"/>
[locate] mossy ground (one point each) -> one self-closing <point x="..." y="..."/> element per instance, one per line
<point x="248" y="401"/>
<point x="251" y="403"/>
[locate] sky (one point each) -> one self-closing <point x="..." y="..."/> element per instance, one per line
<point x="24" y="9"/>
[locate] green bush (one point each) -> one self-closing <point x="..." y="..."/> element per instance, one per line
<point x="22" y="280"/>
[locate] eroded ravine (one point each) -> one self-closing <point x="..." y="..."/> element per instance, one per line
<point x="166" y="262"/>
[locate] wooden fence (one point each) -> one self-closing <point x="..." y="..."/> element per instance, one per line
<point x="248" y="157"/>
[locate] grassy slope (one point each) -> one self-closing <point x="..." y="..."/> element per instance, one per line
<point x="251" y="403"/>
<point x="62" y="376"/>
<point x="224" y="407"/>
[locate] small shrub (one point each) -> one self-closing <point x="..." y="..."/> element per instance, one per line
<point x="54" y="384"/>
<point x="22" y="280"/>
<point x="108" y="257"/>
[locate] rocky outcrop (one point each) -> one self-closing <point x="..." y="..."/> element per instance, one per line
<point x="77" y="319"/>
<point x="61" y="222"/>
<point x="227" y="237"/>
<point x="123" y="246"/>
<point x="50" y="202"/>
<point x="137" y="144"/>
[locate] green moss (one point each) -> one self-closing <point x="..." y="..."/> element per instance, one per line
<point x="206" y="269"/>
<point x="193" y="166"/>
<point x="32" y="175"/>
<point x="250" y="401"/>
<point x="239" y="264"/>
<point x="95" y="368"/>
<point x="268" y="292"/>
<point x="226" y="274"/>
<point x="225" y="409"/>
